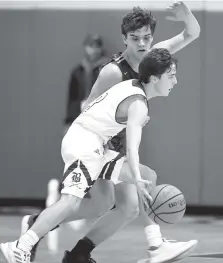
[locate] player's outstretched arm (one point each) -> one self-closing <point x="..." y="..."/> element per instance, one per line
<point x="109" y="76"/>
<point x="181" y="12"/>
<point x="137" y="116"/>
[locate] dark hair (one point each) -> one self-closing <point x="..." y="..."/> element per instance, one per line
<point x="137" y="19"/>
<point x="155" y="63"/>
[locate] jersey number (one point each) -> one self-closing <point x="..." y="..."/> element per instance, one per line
<point x="100" y="98"/>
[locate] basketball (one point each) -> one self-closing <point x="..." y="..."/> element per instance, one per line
<point x="168" y="206"/>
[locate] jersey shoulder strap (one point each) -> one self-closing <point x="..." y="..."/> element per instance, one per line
<point x="125" y="68"/>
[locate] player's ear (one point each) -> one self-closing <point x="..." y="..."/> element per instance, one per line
<point x="153" y="79"/>
<point x="124" y="38"/>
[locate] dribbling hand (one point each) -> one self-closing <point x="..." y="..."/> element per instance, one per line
<point x="144" y="187"/>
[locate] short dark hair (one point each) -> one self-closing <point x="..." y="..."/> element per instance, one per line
<point x="155" y="63"/>
<point x="137" y="19"/>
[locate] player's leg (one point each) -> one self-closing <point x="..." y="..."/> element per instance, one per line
<point x="19" y="251"/>
<point x="151" y="228"/>
<point x="53" y="195"/>
<point x="107" y="225"/>
<point x="100" y="232"/>
<point x="79" y="177"/>
<point x="126" y="208"/>
<point x="101" y="201"/>
<point x="115" y="219"/>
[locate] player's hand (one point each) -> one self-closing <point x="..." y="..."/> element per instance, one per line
<point x="179" y="10"/>
<point x="144" y="187"/>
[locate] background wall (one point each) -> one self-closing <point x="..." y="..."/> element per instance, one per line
<point x="38" y="49"/>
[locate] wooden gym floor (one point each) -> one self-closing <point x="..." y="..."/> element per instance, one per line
<point x="129" y="245"/>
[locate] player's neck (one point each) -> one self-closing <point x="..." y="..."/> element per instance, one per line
<point x="149" y="90"/>
<point x="132" y="61"/>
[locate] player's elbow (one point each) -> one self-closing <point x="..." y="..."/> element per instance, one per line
<point x="198" y="30"/>
<point x="195" y="33"/>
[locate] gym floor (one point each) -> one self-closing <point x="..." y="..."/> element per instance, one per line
<point x="129" y="244"/>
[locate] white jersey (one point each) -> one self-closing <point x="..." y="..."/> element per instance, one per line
<point x="100" y="116"/>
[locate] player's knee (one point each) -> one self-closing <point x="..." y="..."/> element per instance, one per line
<point x="130" y="210"/>
<point x="110" y="202"/>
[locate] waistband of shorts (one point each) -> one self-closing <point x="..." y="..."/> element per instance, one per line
<point x="84" y="127"/>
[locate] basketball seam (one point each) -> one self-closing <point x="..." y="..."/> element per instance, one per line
<point x="157" y="196"/>
<point x="151" y="206"/>
<point x="157" y="215"/>
<point x="161" y="219"/>
<point x="168" y="213"/>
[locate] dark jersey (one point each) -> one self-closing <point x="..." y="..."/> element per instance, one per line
<point x="125" y="68"/>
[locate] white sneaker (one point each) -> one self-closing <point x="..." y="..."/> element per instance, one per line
<point x="192" y="244"/>
<point x="14" y="255"/>
<point x="169" y="251"/>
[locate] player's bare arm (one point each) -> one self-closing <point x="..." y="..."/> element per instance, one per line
<point x="181" y="12"/>
<point x="137" y="116"/>
<point x="109" y="76"/>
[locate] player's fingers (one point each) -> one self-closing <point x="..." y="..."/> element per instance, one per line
<point x="146" y="195"/>
<point x="148" y="186"/>
<point x="149" y="197"/>
<point x="143" y="201"/>
<point x="146" y="203"/>
<point x="176" y="3"/>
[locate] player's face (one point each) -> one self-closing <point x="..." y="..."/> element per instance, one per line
<point x="138" y="42"/>
<point x="167" y="81"/>
<point x="93" y="53"/>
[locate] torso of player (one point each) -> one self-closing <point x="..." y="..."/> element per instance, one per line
<point x="107" y="115"/>
<point x="125" y="68"/>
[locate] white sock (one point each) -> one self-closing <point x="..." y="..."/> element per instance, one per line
<point x="153" y="235"/>
<point x="27" y="241"/>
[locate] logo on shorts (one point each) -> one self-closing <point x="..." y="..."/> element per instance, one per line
<point x="76" y="178"/>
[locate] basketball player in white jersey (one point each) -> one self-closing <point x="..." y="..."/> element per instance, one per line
<point x="83" y="149"/>
<point x="138" y="28"/>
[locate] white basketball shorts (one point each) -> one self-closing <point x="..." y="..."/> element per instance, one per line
<point x="83" y="155"/>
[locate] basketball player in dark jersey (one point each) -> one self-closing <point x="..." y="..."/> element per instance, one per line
<point x="137" y="28"/>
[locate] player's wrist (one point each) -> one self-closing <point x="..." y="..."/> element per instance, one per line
<point x="137" y="179"/>
<point x="188" y="17"/>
